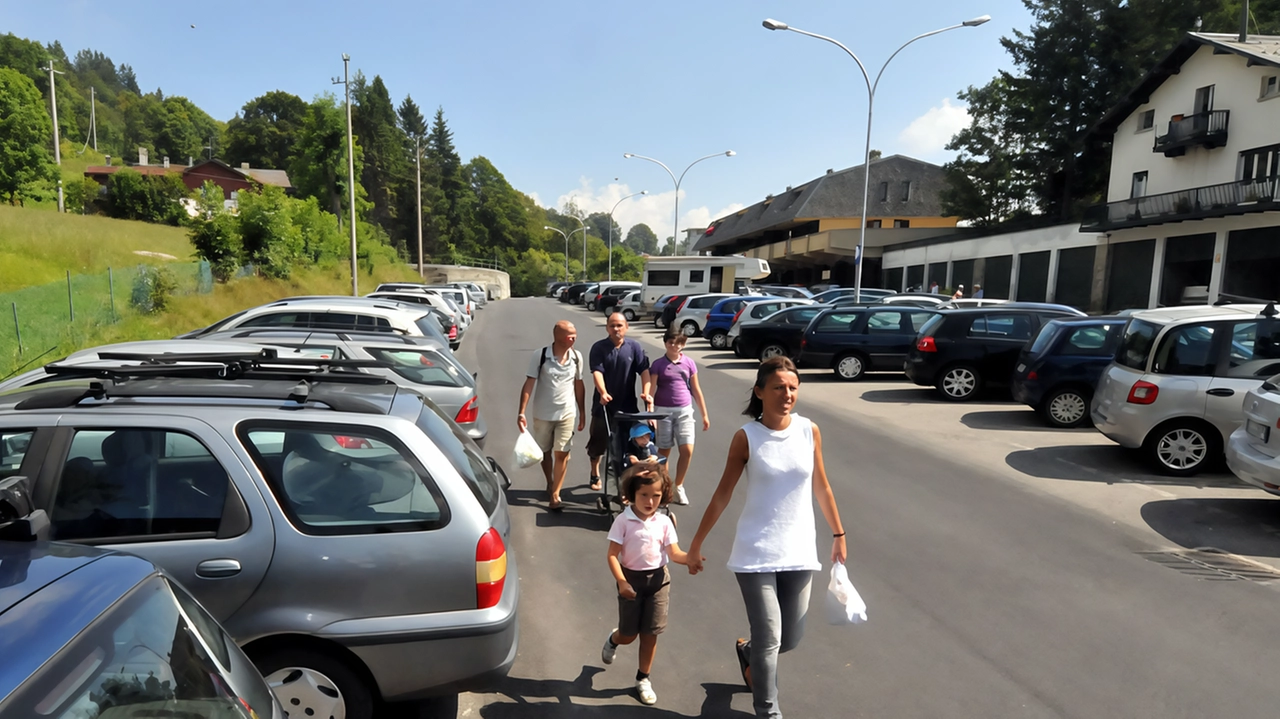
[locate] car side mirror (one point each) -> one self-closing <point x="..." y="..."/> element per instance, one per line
<point x="19" y="520"/>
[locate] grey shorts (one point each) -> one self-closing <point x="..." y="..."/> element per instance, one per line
<point x="554" y="435"/>
<point x="677" y="429"/>
<point x="647" y="613"/>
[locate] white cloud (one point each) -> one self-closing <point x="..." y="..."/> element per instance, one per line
<point x="653" y="209"/>
<point x="927" y="136"/>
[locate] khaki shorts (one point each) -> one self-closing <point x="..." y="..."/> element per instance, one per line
<point x="647" y="613"/>
<point x="554" y="434"/>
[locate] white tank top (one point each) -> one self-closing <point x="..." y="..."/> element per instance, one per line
<point x="776" y="531"/>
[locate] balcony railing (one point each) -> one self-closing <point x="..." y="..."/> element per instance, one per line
<point x="1205" y="129"/>
<point x="1230" y="198"/>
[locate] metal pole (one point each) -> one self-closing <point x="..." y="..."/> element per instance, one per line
<point x="71" y="306"/>
<point x="675" y="226"/>
<point x="351" y="174"/>
<point x="615" y="206"/>
<point x="111" y="290"/>
<point x="93" y="116"/>
<point x="57" y="141"/>
<point x="16" y="328"/>
<point x="417" y="158"/>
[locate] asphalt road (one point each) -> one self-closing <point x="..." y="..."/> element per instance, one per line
<point x="987" y="597"/>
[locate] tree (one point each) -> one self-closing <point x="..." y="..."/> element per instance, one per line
<point x="446" y="174"/>
<point x="412" y="123"/>
<point x="641" y="240"/>
<point x="25" y="135"/>
<point x="129" y="80"/>
<point x="600" y="222"/>
<point x="986" y="184"/>
<point x="217" y="241"/>
<point x="319" y="168"/>
<point x="134" y="196"/>
<point x="374" y="123"/>
<point x="264" y="133"/>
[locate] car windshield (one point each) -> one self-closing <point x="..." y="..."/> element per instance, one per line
<point x="1135" y="348"/>
<point x="1043" y="339"/>
<point x="463" y="455"/>
<point x="420" y="366"/>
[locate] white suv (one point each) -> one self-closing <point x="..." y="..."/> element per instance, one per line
<point x="1177" y="382"/>
<point x="352" y="314"/>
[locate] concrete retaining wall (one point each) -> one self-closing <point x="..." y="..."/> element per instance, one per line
<point x="495" y="282"/>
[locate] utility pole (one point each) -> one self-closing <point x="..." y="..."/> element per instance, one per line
<point x="417" y="159"/>
<point x="351" y="171"/>
<point x="57" y="142"/>
<point x="93" y="116"/>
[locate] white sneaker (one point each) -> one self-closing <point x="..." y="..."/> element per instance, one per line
<point x="681" y="497"/>
<point x="645" y="689"/>
<point x="609" y="649"/>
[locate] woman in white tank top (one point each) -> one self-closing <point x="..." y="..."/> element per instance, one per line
<point x="774" y="551"/>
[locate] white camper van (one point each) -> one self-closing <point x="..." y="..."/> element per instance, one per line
<point x="697" y="274"/>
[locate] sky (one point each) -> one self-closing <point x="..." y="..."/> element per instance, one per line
<point x="555" y="92"/>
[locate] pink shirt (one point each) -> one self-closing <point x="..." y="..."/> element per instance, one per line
<point x="644" y="541"/>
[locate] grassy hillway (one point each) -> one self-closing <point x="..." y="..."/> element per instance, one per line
<point x="37" y="248"/>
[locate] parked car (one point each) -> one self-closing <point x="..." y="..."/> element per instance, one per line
<point x="669" y="311"/>
<point x="1253" y="448"/>
<point x="573" y="292"/>
<point x="560" y="293"/>
<point x="721" y="316"/>
<point x="964" y="302"/>
<point x="779" y="334"/>
<point x="87" y="632"/>
<point x="1060" y="365"/>
<point x="460" y="297"/>
<point x="1043" y="306"/>
<point x="474" y="291"/>
<point x="607" y="293"/>
<point x="554" y="288"/>
<point x="958" y="352"/>
<point x="1176" y="384"/>
<point x="753" y="312"/>
<point x="578" y="295"/>
<point x="856" y="340"/>
<point x="795" y="293"/>
<point x="869" y="294"/>
<point x="288" y="502"/>
<point x="629" y="305"/>
<point x="335" y="314"/>
<point x="692" y="313"/>
<point x="914" y="299"/>
<point x="446" y="312"/>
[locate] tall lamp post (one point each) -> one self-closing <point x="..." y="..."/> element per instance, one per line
<point x="417" y="162"/>
<point x="566" y="248"/>
<point x="871" y="99"/>
<point x="675" y="228"/>
<point x="351" y="170"/>
<point x="615" y="206"/>
<point x="583" y="230"/>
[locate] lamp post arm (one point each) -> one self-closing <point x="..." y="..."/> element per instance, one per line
<point x="904" y="47"/>
<point x="691" y="164"/>
<point x="661" y="164"/>
<point x="842" y="46"/>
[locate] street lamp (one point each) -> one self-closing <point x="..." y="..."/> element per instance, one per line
<point x="417" y="162"/>
<point x="770" y="24"/>
<point x="566" y="248"/>
<point x="615" y="206"/>
<point x="675" y="229"/>
<point x="583" y="230"/>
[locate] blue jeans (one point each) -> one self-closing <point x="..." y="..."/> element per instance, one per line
<point x="777" y="603"/>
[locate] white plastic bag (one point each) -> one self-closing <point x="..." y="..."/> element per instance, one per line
<point x="844" y="604"/>
<point x="527" y="453"/>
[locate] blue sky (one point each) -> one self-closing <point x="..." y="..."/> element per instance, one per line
<point x="554" y="92"/>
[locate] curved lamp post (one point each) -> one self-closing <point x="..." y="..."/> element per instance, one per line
<point x="675" y="227"/>
<point x="566" y="248"/>
<point x="583" y="230"/>
<point x="615" y="206"/>
<point x="871" y="99"/>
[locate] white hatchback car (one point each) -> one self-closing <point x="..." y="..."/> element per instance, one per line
<point x="1253" y="451"/>
<point x="1175" y="387"/>
<point x="629" y="305"/>
<point x="693" y="313"/>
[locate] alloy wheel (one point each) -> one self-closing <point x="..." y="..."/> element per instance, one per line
<point x="771" y="351"/>
<point x="959" y="382"/>
<point x="1182" y="449"/>
<point x="689" y="329"/>
<point x="304" y="691"/>
<point x="631" y="316"/>
<point x="719" y="340"/>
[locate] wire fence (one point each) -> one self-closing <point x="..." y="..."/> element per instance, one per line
<point x="44" y="322"/>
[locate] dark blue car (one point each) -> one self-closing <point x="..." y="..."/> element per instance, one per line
<point x="1060" y="366"/>
<point x="720" y="318"/>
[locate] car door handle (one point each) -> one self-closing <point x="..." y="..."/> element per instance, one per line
<point x="1221" y="392"/>
<point x="217" y="568"/>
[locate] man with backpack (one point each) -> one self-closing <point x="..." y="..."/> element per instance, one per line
<point x="556" y="382"/>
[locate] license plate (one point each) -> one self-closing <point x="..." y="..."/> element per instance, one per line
<point x="1021" y="367"/>
<point x="1257" y="430"/>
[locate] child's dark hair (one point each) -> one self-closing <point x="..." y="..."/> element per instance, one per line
<point x="672" y="333"/>
<point x="643" y="474"/>
<point x="767" y="369"/>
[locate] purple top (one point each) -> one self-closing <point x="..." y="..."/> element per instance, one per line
<point x="673" y="380"/>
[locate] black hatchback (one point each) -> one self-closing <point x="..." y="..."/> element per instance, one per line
<point x="854" y="340"/>
<point x="961" y="351"/>
<point x="779" y="334"/>
<point x="1059" y="368"/>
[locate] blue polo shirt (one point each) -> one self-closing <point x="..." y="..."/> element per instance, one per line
<point x="620" y="367"/>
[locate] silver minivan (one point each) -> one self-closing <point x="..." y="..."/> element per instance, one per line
<point x="1177" y="382"/>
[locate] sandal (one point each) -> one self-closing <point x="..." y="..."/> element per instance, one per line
<point x="555" y="505"/>
<point x="595" y="483"/>
<point x="743" y="648"/>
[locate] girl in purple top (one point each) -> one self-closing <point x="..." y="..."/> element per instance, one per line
<point x="675" y="381"/>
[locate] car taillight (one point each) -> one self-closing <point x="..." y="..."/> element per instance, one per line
<point x="803" y="342"/>
<point x="1032" y="375"/>
<point x="346" y="442"/>
<point x="453" y="332"/>
<point x="491" y="569"/>
<point x="926" y="344"/>
<point x="1143" y="393"/>
<point x="470" y="412"/>
<point x="683" y="302"/>
<point x="738" y="314"/>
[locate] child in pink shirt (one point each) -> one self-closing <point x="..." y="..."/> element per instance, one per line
<point x="641" y="541"/>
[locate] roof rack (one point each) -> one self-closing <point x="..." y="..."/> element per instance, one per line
<point x="262" y="365"/>
<point x="410" y="340"/>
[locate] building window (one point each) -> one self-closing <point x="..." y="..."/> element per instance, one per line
<point x="1146" y="120"/>
<point x="884" y="192"/>
<point x="1139" y="186"/>
<point x="1259" y="163"/>
<point x="874" y="224"/>
<point x="1270" y="87"/>
<point x="1204" y="99"/>
<point x="902" y="223"/>
<point x="906" y="190"/>
<point x="664" y="278"/>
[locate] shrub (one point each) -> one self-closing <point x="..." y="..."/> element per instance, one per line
<point x="153" y="288"/>
<point x="218" y="241"/>
<point x="133" y="196"/>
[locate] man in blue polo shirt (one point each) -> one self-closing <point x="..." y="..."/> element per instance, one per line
<point x="615" y="363"/>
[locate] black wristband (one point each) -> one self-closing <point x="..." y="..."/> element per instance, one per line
<point x="837" y="536"/>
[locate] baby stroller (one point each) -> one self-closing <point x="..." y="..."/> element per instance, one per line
<point x="619" y="426"/>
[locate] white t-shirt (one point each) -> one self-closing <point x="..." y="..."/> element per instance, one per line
<point x="776" y="531"/>
<point x="553" y="397"/>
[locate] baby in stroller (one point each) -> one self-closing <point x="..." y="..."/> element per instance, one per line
<point x="640" y="447"/>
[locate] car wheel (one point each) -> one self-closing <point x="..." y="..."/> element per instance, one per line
<point x="1066" y="408"/>
<point x="1182" y="448"/>
<point x="959" y="383"/>
<point x="591" y="306"/>
<point x="660" y="322"/>
<point x="719" y="339"/>
<point x="850" y="367"/>
<point x="629" y="314"/>
<point x="771" y="350"/>
<point x="689" y="328"/>
<point x="309" y="683"/>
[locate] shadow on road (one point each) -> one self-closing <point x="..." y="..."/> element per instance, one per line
<point x="1107" y="464"/>
<point x="901" y="396"/>
<point x="1014" y="419"/>
<point x="821" y="374"/>
<point x="554" y="698"/>
<point x="1250" y="527"/>
<point x="735" y="364"/>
